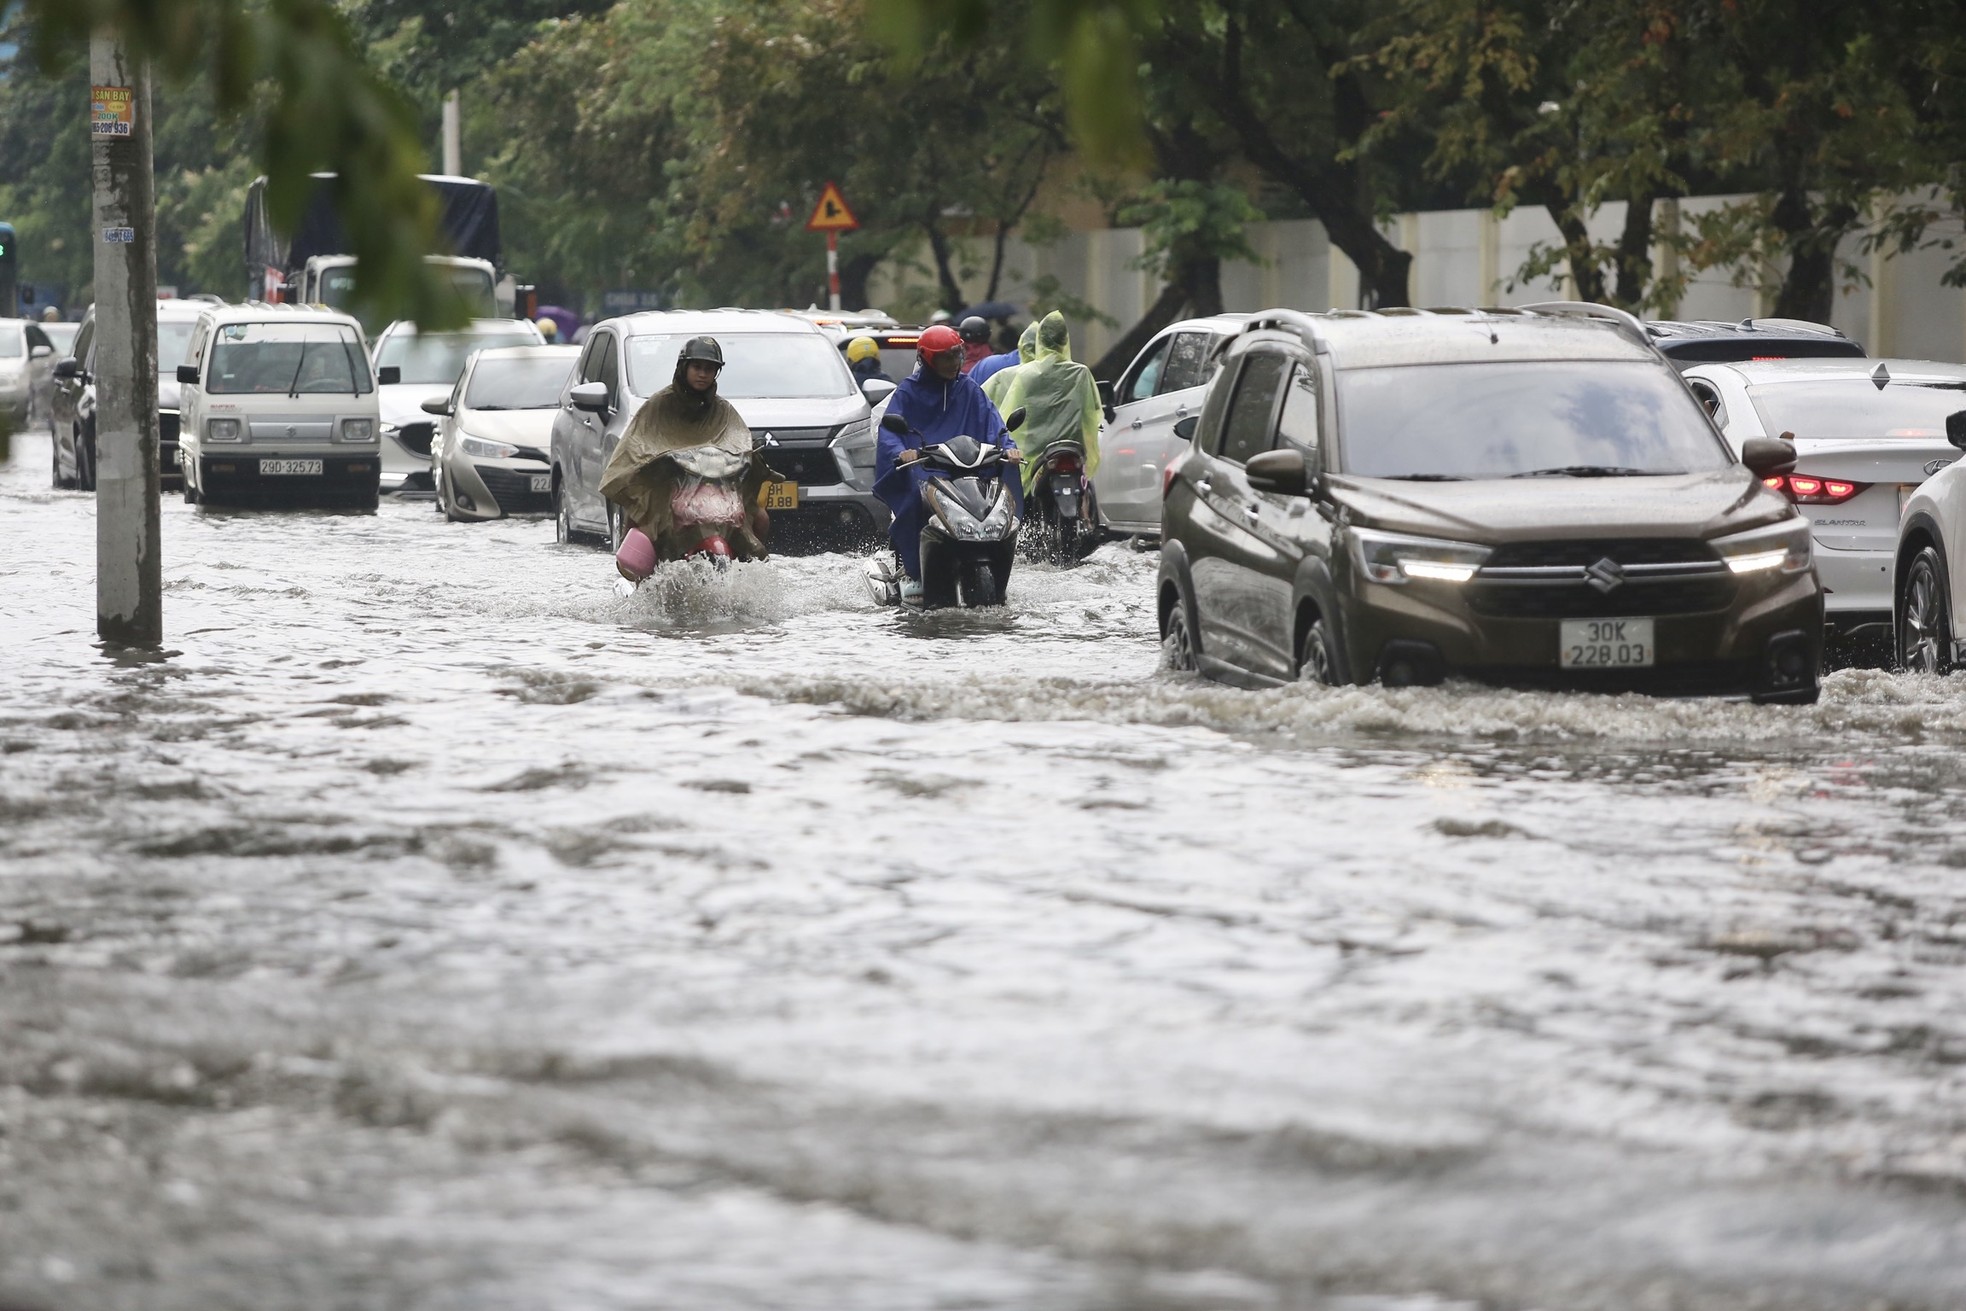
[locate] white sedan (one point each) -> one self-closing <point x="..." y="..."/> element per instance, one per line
<point x="1867" y="434"/>
<point x="488" y="458"/>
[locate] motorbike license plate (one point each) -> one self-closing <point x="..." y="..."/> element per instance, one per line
<point x="289" y="467"/>
<point x="779" y="496"/>
<point x="541" y="482"/>
<point x="1605" y="644"/>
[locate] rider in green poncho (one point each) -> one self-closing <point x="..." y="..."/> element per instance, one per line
<point x="1058" y="396"/>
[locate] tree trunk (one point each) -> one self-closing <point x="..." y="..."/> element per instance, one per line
<point x="855" y="270"/>
<point x="945" y="274"/>
<point x="1809" y="288"/>
<point x="1635" y="253"/>
<point x="1584" y="272"/>
<point x="1193" y="291"/>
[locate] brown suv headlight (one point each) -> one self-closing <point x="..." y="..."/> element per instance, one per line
<point x="1396" y="558"/>
<point x="1786" y="545"/>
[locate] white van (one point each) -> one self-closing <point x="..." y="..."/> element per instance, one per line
<point x="278" y="405"/>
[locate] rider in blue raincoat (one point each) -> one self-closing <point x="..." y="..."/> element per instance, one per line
<point x="938" y="401"/>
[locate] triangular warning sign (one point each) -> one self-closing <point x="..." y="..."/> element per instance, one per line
<point x="831" y="214"/>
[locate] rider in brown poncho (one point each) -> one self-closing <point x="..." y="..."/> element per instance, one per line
<point x="688" y="412"/>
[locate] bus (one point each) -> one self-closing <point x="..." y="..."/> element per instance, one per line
<point x="9" y="273"/>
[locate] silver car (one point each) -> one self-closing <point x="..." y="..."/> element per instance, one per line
<point x="27" y="364"/>
<point x="428" y="366"/>
<point x="1164" y="385"/>
<point x="784" y="375"/>
<point x="493" y="431"/>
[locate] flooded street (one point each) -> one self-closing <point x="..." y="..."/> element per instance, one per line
<point x="434" y="929"/>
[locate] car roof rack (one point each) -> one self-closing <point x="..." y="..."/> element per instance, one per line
<point x="1625" y="321"/>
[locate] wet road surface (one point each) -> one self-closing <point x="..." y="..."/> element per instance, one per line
<point x="435" y="929"/>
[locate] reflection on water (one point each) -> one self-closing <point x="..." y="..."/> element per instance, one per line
<point x="439" y="929"/>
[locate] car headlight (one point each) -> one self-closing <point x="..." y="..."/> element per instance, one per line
<point x="1785" y="545"/>
<point x="1394" y="558"/>
<point x="358" y="430"/>
<point x="854" y="448"/>
<point x="488" y="450"/>
<point x="222" y="430"/>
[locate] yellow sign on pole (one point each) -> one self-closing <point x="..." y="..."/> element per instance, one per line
<point x="112" y="111"/>
<point x="831" y="214"/>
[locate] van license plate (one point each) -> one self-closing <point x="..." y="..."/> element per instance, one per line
<point x="1605" y="644"/>
<point x="542" y="482"/>
<point x="289" y="466"/>
<point x="779" y="496"/>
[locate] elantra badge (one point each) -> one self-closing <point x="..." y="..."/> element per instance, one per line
<point x="1605" y="576"/>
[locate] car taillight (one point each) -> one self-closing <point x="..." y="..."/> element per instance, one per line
<point x="1807" y="489"/>
<point x="1066" y="463"/>
<point x="1167" y="478"/>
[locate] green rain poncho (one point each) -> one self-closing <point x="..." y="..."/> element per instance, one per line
<point x="1027" y="350"/>
<point x="1060" y="401"/>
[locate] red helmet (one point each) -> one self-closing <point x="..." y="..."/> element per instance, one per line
<point x="935" y="340"/>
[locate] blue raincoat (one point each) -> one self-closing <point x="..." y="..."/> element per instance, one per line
<point x="936" y="411"/>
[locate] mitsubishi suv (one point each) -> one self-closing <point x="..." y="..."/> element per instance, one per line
<point x="1529" y="497"/>
<point x="786" y="378"/>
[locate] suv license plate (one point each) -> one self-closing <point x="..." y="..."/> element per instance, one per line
<point x="779" y="496"/>
<point x="289" y="466"/>
<point x="542" y="482"/>
<point x="1605" y="644"/>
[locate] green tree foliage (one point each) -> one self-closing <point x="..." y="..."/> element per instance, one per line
<point x="324" y="108"/>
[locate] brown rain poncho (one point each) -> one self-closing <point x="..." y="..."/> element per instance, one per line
<point x="671" y="420"/>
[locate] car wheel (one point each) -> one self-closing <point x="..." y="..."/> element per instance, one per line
<point x="562" y="513"/>
<point x="1317" y="656"/>
<point x="1925" y="617"/>
<point x="85" y="462"/>
<point x="190" y="492"/>
<point x="617" y="527"/>
<point x="54" y="462"/>
<point x="1180" y="652"/>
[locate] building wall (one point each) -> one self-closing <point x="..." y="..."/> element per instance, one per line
<point x="1462" y="257"/>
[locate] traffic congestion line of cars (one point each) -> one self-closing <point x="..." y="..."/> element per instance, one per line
<point x="1553" y="495"/>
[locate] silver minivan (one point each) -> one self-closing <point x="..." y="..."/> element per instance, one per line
<point x="1164" y="385"/>
<point x="786" y="378"/>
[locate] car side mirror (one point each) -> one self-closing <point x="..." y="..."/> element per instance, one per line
<point x="1956" y="429"/>
<point x="876" y="390"/>
<point x="1185" y="429"/>
<point x="1283" y="472"/>
<point x="1768" y="456"/>
<point x="437" y="405"/>
<point x="895" y="424"/>
<point x="187" y="374"/>
<point x="1108" y="398"/>
<point x="39" y="352"/>
<point x="1016" y="418"/>
<point x="590" y="396"/>
<point x="388" y="375"/>
<point x="68" y="369"/>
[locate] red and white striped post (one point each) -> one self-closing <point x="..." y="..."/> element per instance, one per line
<point x="833" y="270"/>
<point x="832" y="217"/>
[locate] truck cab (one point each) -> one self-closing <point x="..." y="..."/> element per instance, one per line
<point x="330" y="280"/>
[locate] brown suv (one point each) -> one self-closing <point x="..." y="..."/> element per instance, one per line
<point x="1529" y="497"/>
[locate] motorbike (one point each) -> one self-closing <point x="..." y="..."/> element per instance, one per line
<point x="970" y="531"/>
<point x="1058" y="503"/>
<point x="711" y="494"/>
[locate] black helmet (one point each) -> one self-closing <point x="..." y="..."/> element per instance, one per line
<point x="702" y="350"/>
<point x="974" y="328"/>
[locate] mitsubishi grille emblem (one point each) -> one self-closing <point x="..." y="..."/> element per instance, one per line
<point x="1933" y="466"/>
<point x="1605" y="576"/>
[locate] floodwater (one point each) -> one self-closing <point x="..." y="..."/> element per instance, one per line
<point x="435" y="929"/>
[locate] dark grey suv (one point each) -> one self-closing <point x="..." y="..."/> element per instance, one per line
<point x="1526" y="497"/>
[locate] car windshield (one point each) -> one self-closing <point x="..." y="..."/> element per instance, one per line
<point x="62" y="335"/>
<point x="1856" y="407"/>
<point x="1461" y="421"/>
<point x="290" y="359"/>
<point x="521" y="384"/>
<point x="757" y="365"/>
<point x="13" y="342"/>
<point x="438" y="357"/>
<point x="173" y="345"/>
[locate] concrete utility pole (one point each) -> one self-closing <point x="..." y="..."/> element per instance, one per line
<point x="453" y="137"/>
<point x="129" y="568"/>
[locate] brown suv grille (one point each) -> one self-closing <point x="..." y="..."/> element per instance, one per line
<point x="1626" y="551"/>
<point x="1579" y="600"/>
<point x="1599" y="579"/>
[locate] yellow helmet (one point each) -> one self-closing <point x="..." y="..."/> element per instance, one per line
<point x="547" y="328"/>
<point x="861" y="348"/>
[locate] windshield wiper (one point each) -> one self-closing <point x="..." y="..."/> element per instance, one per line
<point x="1594" y="471"/>
<point x="293" y="383"/>
<point x="1426" y="478"/>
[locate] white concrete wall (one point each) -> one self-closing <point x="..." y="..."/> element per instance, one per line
<point x="1462" y="257"/>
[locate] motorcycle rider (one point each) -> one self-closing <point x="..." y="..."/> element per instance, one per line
<point x="938" y="402"/>
<point x="548" y="329"/>
<point x="863" y="356"/>
<point x="688" y="412"/>
<point x="1027" y="350"/>
<point x="1058" y="395"/>
<point x="975" y="332"/>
